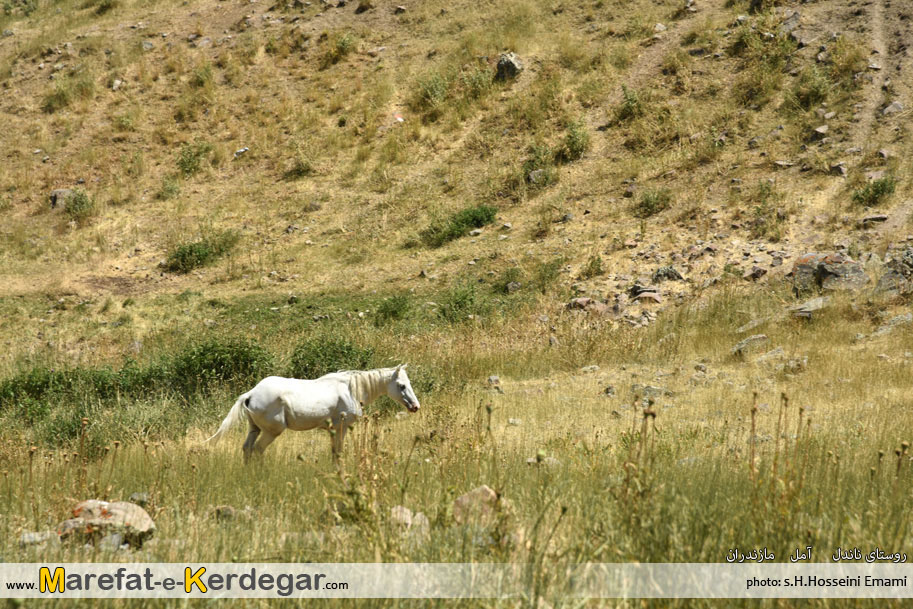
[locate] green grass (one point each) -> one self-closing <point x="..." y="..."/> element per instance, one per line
<point x="652" y="202"/>
<point x="191" y="156"/>
<point x="187" y="256"/>
<point x="80" y="207"/>
<point x="458" y="225"/>
<point x="875" y="192"/>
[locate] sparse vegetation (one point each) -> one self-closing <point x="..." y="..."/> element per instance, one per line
<point x="190" y="158"/>
<point x="80" y="207"/>
<point x="458" y="225"/>
<point x="875" y="192"/>
<point x="187" y="256"/>
<point x="652" y="202"/>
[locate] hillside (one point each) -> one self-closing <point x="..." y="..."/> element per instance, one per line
<point x="606" y="205"/>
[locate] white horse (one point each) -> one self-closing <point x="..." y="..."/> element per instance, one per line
<point x="278" y="403"/>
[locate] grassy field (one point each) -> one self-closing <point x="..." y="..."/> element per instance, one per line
<point x="296" y="188"/>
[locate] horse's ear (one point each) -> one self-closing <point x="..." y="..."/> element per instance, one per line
<point x="398" y="368"/>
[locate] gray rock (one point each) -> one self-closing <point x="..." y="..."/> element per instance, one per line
<point x="494" y="381"/>
<point x="773" y="354"/>
<point x="7" y="33"/>
<point x="667" y="272"/>
<point x="590" y="368"/>
<point x="749" y="344"/>
<point x="790" y="23"/>
<point x="95" y="519"/>
<point x="475" y="232"/>
<point x="140" y="499"/>
<point x="755" y="273"/>
<point x="478" y="505"/>
<point x="828" y="272"/>
<point x="399" y="10"/>
<point x="148" y="45"/>
<point x="893" y="108"/>
<point x="553" y="341"/>
<point x="513" y="286"/>
<point x="898" y="277"/>
<point x="509" y="66"/>
<point x="514" y="422"/>
<point x="60" y="196"/>
<point x="894" y="322"/>
<point x="839" y="169"/>
<point x="751" y="325"/>
<point x="807" y="308"/>
<point x="39" y="538"/>
<point x="650" y="391"/>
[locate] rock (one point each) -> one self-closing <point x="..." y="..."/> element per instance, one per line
<point x="649" y="297"/>
<point x="749" y="344"/>
<point x="609" y="391"/>
<point x="112" y="542"/>
<point x="590" y="368"/>
<point x="475" y="232"/>
<point x="140" y="499"/>
<point x="7" y="33"/>
<point x="399" y="10"/>
<point x="224" y="513"/>
<point x="751" y="325"/>
<point x="60" y="196"/>
<point x="363" y="5"/>
<point x="589" y="305"/>
<point x="514" y="422"/>
<point x="659" y="28"/>
<point x="148" y="45"/>
<point x="754" y="143"/>
<point x="507" y="226"/>
<point x="543" y="461"/>
<point x="884" y="154"/>
<point x="783" y="164"/>
<point x="117" y="84"/>
<point x="94" y="519"/>
<point x="666" y="272"/>
<point x="509" y="66"/>
<point x="898" y="278"/>
<point x="820" y="132"/>
<point x="401" y="515"/>
<point x="807" y="308"/>
<point x="773" y="354"/>
<point x="478" y="505"/>
<point x="376" y="51"/>
<point x="535" y="176"/>
<point x="754" y="273"/>
<point x="553" y="341"/>
<point x="790" y="23"/>
<point x="869" y="220"/>
<point x="513" y="286"/>
<point x="828" y="272"/>
<point x="894" y="322"/>
<point x="39" y="538"/>
<point x="839" y="169"/>
<point x="892" y="108"/>
<point x="650" y="391"/>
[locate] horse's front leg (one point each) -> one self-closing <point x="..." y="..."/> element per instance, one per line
<point x="339" y="436"/>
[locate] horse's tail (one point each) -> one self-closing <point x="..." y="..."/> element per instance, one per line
<point x="233" y="416"/>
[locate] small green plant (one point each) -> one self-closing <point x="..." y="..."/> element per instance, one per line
<point x="460" y="302"/>
<point x="187" y="256"/>
<point x="394" y="308"/>
<point x="66" y="90"/>
<point x="458" y="225"/>
<point x="631" y="106"/>
<point x="106" y="6"/>
<point x="652" y="202"/>
<point x="80" y="207"/>
<point x="301" y="166"/>
<point x="321" y="355"/>
<point x="576" y="142"/>
<point x="508" y="280"/>
<point x="810" y="90"/>
<point x="202" y="76"/>
<point x="338" y="47"/>
<point x="548" y="272"/>
<point x="593" y="268"/>
<point x="767" y="219"/>
<point x="171" y="187"/>
<point x="538" y="169"/>
<point x="875" y="192"/>
<point x="191" y="156"/>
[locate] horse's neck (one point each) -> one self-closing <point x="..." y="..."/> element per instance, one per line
<point x="369" y="385"/>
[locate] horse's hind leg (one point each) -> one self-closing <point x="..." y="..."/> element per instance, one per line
<point x="249" y="442"/>
<point x="266" y="438"/>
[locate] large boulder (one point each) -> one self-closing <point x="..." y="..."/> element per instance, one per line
<point x="827" y="272"/>
<point x="509" y="66"/>
<point x="898" y="276"/>
<point x="93" y="520"/>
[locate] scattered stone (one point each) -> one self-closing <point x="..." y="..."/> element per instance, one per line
<point x="514" y="422"/>
<point x="839" y="169"/>
<point x="751" y="325"/>
<point x="553" y="341"/>
<point x="590" y="368"/>
<point x="828" y="272"/>
<point x="892" y="108"/>
<point x="363" y="5"/>
<point x="659" y="28"/>
<point x="749" y="344"/>
<point x="667" y="272"/>
<point x="807" y="308"/>
<point x="507" y="226"/>
<point x="589" y="305"/>
<point x="543" y="461"/>
<point x="509" y="66"/>
<point x="790" y="23"/>
<point x="478" y="504"/>
<point x="117" y="84"/>
<point x="898" y="278"/>
<point x="783" y="164"/>
<point x="534" y="176"/>
<point x="773" y="354"/>
<point x="649" y="297"/>
<point x="94" y="519"/>
<point x="494" y="381"/>
<point x="40" y="538"/>
<point x="894" y="322"/>
<point x="60" y="196"/>
<point x="7" y="33"/>
<point x="650" y="391"/>
<point x="140" y="499"/>
<point x="475" y="232"/>
<point x="399" y="10"/>
<point x="513" y="286"/>
<point x="869" y="220"/>
<point x="609" y="391"/>
<point x="820" y="132"/>
<point x="376" y="51"/>
<point x="148" y="45"/>
<point x="754" y="143"/>
<point x="884" y="154"/>
<point x="754" y="273"/>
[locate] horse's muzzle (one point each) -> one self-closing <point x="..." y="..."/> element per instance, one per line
<point x="412" y="407"/>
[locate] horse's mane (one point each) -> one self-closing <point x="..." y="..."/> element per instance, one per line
<point x="355" y="380"/>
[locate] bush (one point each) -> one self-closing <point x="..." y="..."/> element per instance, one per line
<point x="458" y="225"/>
<point x="460" y="302"/>
<point x="548" y="272"/>
<point x="321" y="355"/>
<point x="594" y="268"/>
<point x="811" y="89"/>
<point x="576" y="142"/>
<point x="170" y="188"/>
<point x="200" y="366"/>
<point x="392" y="309"/>
<point x="652" y="202"/>
<point x="190" y="158"/>
<point x="187" y="256"/>
<point x="875" y="192"/>
<point x="631" y="107"/>
<point x="80" y="207"/>
<point x="338" y="46"/>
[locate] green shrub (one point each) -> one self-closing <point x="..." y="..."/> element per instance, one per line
<point x="171" y="188"/>
<point x="458" y="225"/>
<point x="631" y="106"/>
<point x="652" y="202"/>
<point x="593" y="268"/>
<point x="393" y="309"/>
<point x="200" y="366"/>
<point x="511" y="275"/>
<point x="190" y="158"/>
<point x="875" y="192"/>
<point x="810" y="90"/>
<point x="460" y="302"/>
<point x="338" y="47"/>
<point x="321" y="355"/>
<point x="548" y="272"/>
<point x="80" y="207"/>
<point x="576" y="142"/>
<point x="185" y="257"/>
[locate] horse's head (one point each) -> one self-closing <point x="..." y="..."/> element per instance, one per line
<point x="400" y="389"/>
